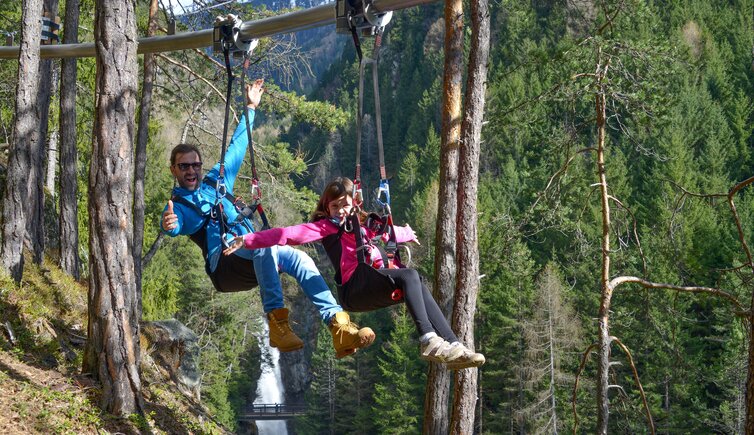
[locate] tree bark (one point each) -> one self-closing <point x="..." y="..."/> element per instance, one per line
<point x="69" y="226"/>
<point x="25" y="133"/>
<point x="38" y="152"/>
<point x="145" y="109"/>
<point x="438" y="377"/>
<point x="52" y="156"/>
<point x="112" y="352"/>
<point x="467" y="277"/>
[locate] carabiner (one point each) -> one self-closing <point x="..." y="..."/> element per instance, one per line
<point x="384" y="189"/>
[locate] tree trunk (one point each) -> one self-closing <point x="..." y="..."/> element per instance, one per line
<point x="141" y="151"/>
<point x="69" y="226"/>
<point x="603" y="341"/>
<point x="438" y="377"/>
<point x="38" y="152"/>
<point x="52" y="156"/>
<point x="25" y="133"/>
<point x="467" y="277"/>
<point x="112" y="352"/>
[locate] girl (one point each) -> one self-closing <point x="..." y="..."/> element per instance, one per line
<point x="363" y="282"/>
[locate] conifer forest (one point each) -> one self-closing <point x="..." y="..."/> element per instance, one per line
<point x="614" y="217"/>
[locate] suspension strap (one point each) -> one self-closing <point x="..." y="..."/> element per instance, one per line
<point x="220" y="185"/>
<point x="357" y="191"/>
<point x="226" y="37"/>
<point x="256" y="190"/>
<point x="354" y="17"/>
<point x="383" y="193"/>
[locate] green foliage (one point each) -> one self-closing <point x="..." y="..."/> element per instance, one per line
<point x="319" y="114"/>
<point x="338" y="394"/>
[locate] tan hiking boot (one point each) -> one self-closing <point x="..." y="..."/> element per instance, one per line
<point x="347" y="338"/>
<point x="281" y="334"/>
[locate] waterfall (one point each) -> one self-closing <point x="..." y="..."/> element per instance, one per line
<point x="270" y="385"/>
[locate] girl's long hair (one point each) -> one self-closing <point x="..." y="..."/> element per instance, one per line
<point x="336" y="188"/>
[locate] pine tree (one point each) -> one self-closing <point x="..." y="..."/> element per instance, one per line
<point x="398" y="392"/>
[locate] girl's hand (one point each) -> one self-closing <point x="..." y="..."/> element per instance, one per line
<point x="414" y="239"/>
<point x="235" y="246"/>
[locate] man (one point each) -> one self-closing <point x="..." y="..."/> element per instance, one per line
<point x="193" y="211"/>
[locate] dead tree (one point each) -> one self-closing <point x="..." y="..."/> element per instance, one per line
<point x="112" y="352"/>
<point x="25" y="134"/>
<point x="467" y="276"/>
<point x="438" y="378"/>
<point x="609" y="285"/>
<point x="69" y="227"/>
<point x="552" y="331"/>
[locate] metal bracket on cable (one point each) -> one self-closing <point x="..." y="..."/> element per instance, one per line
<point x="227" y="36"/>
<point x="359" y="15"/>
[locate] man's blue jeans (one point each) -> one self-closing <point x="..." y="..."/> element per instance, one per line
<point x="298" y="264"/>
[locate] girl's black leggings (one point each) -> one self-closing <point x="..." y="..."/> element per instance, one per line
<point x="420" y="303"/>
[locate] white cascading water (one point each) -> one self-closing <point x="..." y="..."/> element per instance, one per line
<point x="270" y="385"/>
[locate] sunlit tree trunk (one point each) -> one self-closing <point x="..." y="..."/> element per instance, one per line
<point x="37" y="152"/>
<point x="25" y="135"/>
<point x="438" y="378"/>
<point x="69" y="227"/>
<point x="467" y="276"/>
<point x="112" y="353"/>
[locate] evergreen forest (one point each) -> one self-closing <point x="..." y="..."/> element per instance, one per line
<point x="646" y="106"/>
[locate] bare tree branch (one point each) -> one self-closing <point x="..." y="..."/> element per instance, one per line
<point x="615" y="282"/>
<point x="584" y="359"/>
<point x="636" y="234"/>
<point x="638" y="383"/>
<point x="200" y="77"/>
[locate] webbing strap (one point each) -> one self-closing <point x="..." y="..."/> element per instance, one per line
<point x="220" y="185"/>
<point x="356" y="228"/>
<point x="220" y="189"/>
<point x="384" y="188"/>
<point x="256" y="191"/>
<point x="377" y="108"/>
<point x="356" y="41"/>
<point x="375" y="60"/>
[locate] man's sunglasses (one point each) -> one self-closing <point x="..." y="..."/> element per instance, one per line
<point x="184" y="166"/>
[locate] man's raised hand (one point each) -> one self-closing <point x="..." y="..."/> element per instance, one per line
<point x="254" y="93"/>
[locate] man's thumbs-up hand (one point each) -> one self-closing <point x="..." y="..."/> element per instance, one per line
<point x="169" y="218"/>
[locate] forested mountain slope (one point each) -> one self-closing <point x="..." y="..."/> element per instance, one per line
<point x="678" y="83"/>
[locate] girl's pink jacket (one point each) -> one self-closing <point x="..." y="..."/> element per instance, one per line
<point x="315" y="231"/>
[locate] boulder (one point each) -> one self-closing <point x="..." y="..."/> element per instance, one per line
<point x="175" y="350"/>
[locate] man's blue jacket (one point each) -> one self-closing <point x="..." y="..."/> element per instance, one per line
<point x="190" y="221"/>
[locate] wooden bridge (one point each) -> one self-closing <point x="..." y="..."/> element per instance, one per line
<point x="272" y="411"/>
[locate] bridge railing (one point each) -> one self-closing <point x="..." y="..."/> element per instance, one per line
<point x="273" y="411"/>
